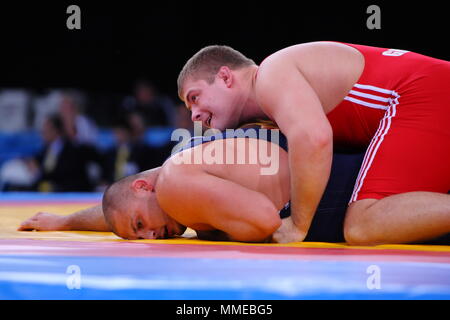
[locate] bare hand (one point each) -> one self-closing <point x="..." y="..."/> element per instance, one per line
<point x="288" y="232"/>
<point x="43" y="221"/>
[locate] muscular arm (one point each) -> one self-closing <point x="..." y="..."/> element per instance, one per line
<point x="286" y="96"/>
<point x="196" y="197"/>
<point x="90" y="219"/>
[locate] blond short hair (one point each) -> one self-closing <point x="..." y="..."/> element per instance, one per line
<point x="206" y="63"/>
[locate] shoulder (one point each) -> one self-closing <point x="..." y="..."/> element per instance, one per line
<point x="172" y="171"/>
<point x="280" y="72"/>
<point x="281" y="63"/>
<point x="173" y="180"/>
<point x="302" y="65"/>
<point x="176" y="176"/>
<point x="300" y="54"/>
<point x="179" y="191"/>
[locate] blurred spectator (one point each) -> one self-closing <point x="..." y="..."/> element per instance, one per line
<point x="62" y="165"/>
<point x="150" y="155"/>
<point x="136" y="124"/>
<point x="70" y="159"/>
<point x="128" y="156"/>
<point x="70" y="105"/>
<point x="119" y="160"/>
<point x="158" y="110"/>
<point x="17" y="175"/>
<point x="78" y="127"/>
<point x="14" y="109"/>
<point x="131" y="154"/>
<point x="45" y="105"/>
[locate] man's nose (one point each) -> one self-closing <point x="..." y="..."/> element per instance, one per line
<point x="197" y="116"/>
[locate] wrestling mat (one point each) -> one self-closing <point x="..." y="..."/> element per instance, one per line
<point x="94" y="265"/>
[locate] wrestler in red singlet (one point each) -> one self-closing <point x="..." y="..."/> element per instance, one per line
<point x="400" y="109"/>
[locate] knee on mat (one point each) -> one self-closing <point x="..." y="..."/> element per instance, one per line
<point x="358" y="228"/>
<point x="354" y="235"/>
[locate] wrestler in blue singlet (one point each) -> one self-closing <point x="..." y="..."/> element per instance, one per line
<point x="328" y="221"/>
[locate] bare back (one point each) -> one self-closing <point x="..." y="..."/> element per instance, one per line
<point x="230" y="160"/>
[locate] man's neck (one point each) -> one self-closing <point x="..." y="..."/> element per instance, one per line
<point x="251" y="109"/>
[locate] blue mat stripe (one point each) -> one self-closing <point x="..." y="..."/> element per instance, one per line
<point x="49" y="277"/>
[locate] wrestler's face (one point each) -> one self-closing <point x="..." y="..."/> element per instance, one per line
<point x="144" y="218"/>
<point x="217" y="105"/>
<point x="148" y="221"/>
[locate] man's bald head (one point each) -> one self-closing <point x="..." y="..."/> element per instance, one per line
<point x="114" y="199"/>
<point x="120" y="197"/>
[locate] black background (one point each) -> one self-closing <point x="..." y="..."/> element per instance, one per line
<point x="166" y="309"/>
<point x="120" y="41"/>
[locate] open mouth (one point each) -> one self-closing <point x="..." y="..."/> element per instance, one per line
<point x="208" y="121"/>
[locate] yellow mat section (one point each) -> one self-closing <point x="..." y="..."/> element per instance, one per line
<point x="12" y="215"/>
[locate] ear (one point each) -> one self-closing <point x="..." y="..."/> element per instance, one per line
<point x="142" y="186"/>
<point x="226" y="75"/>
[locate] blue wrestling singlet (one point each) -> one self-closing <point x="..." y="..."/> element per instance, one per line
<point x="271" y="135"/>
<point x="328" y="221"/>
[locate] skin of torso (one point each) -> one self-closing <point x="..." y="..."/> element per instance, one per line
<point x="330" y="68"/>
<point x="275" y="187"/>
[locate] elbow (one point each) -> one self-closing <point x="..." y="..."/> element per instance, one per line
<point x="321" y="135"/>
<point x="269" y="228"/>
<point x="263" y="228"/>
<point x="256" y="226"/>
<point x="269" y="224"/>
<point x="317" y="138"/>
<point x="323" y="139"/>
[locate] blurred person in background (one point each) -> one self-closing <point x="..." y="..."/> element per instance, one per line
<point x="123" y="158"/>
<point x="78" y="127"/>
<point x="157" y="109"/>
<point x="62" y="165"/>
<point x="131" y="153"/>
<point x="136" y="124"/>
<point x="81" y="131"/>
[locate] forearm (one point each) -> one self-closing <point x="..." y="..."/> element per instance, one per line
<point x="90" y="219"/>
<point x="310" y="169"/>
